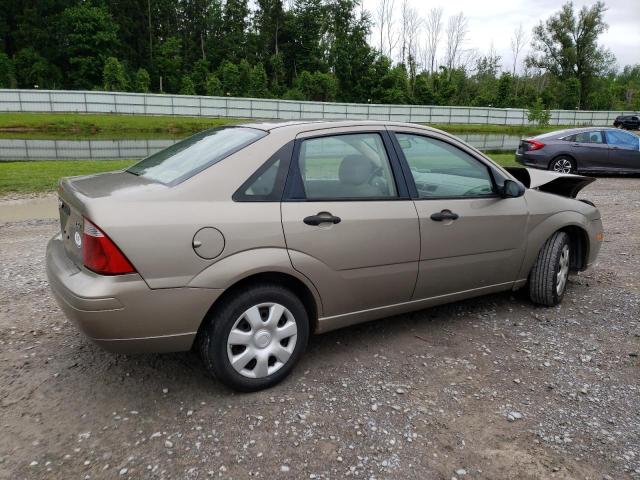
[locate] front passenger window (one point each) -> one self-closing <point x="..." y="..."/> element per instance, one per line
<point x="624" y="140"/>
<point x="441" y="170"/>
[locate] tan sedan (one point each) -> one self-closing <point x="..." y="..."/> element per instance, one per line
<point x="244" y="240"/>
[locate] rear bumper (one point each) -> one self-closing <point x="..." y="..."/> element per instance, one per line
<point x="532" y="161"/>
<point x="121" y="313"/>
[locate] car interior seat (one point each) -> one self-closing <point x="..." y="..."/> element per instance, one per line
<point x="356" y="175"/>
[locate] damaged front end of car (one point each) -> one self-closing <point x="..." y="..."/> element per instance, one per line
<point x="563" y="184"/>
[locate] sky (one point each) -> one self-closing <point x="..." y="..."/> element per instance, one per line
<point x="494" y="22"/>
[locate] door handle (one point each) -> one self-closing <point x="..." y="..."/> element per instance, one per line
<point x="444" y="215"/>
<point x="322" y="217"/>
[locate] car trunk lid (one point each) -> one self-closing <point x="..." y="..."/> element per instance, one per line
<point x="77" y="194"/>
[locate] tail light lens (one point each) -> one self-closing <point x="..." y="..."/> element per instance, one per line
<point x="534" y="144"/>
<point x="100" y="254"/>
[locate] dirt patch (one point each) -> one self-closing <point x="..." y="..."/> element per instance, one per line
<point x="424" y="395"/>
<point x="18" y="207"/>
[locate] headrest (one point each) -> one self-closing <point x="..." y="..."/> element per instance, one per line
<point x="356" y="170"/>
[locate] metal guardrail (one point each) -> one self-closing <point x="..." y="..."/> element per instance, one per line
<point x="104" y="149"/>
<point x="256" y="108"/>
<point x="31" y="149"/>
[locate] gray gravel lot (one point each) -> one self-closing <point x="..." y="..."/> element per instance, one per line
<point x="487" y="388"/>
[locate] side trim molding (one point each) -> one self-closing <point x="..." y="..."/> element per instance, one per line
<point x="326" y="324"/>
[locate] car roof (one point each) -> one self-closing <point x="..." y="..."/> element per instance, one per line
<point x="572" y="131"/>
<point x="299" y="126"/>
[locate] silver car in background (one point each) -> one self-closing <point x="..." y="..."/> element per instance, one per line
<point x="592" y="149"/>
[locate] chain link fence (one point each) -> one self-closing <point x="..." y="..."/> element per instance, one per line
<point x="255" y="108"/>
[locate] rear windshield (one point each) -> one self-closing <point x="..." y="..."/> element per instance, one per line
<point x="192" y="155"/>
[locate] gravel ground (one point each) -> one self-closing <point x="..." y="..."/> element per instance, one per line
<point x="487" y="388"/>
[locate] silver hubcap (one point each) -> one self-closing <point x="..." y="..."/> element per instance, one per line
<point x="262" y="340"/>
<point x="563" y="271"/>
<point x="562" y="165"/>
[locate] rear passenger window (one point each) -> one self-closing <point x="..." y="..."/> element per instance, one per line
<point x="350" y="166"/>
<point x="589" y="137"/>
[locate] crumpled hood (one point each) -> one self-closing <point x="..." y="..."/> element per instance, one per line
<point x="565" y="184"/>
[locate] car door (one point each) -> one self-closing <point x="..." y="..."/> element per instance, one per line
<point x="471" y="238"/>
<point x="349" y="223"/>
<point x="624" y="150"/>
<point x="590" y="150"/>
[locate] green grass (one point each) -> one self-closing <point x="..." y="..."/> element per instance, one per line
<point x="78" y="123"/>
<point x="42" y="176"/>
<point x="54" y="125"/>
<point x="501" y="129"/>
<point x="504" y="159"/>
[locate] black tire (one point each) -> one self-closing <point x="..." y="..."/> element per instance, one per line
<point x="563" y="164"/>
<point x="544" y="278"/>
<point x="215" y="332"/>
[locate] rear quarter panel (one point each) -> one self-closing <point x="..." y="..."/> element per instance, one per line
<point x="155" y="228"/>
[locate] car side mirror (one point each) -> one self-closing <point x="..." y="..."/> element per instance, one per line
<point x="511" y="189"/>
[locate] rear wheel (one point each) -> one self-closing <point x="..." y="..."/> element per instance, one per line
<point x="549" y="275"/>
<point x="255" y="338"/>
<point x="562" y="165"/>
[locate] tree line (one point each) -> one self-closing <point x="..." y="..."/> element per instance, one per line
<point x="323" y="50"/>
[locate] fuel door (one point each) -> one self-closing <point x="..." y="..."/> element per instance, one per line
<point x="208" y="243"/>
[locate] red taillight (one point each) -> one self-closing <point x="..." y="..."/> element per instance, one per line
<point x="100" y="254"/>
<point x="534" y="144"/>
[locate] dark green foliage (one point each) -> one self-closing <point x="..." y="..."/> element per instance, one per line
<point x="505" y="87"/>
<point x="199" y="76"/>
<point x="7" y="79"/>
<point x="295" y="49"/>
<point x="566" y="45"/>
<point x="234" y="30"/>
<point x="186" y="86"/>
<point x="114" y="76"/>
<point x="230" y="78"/>
<point x="88" y="36"/>
<point x="168" y="63"/>
<point x="538" y="114"/>
<point x="423" y="92"/>
<point x="32" y="69"/>
<point x="278" y="74"/>
<point x="141" y="81"/>
<point x="244" y="77"/>
<point x="293" y="94"/>
<point x="258" y="86"/>
<point x="214" y="86"/>
<point x="317" y="86"/>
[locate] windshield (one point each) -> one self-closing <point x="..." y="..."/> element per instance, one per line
<point x="192" y="155"/>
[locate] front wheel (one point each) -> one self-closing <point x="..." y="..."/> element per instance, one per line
<point x="255" y="338"/>
<point x="562" y="165"/>
<point x="549" y="275"/>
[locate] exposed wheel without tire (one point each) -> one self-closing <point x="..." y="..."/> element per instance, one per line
<point x="550" y="273"/>
<point x="562" y="165"/>
<point x="255" y="338"/>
